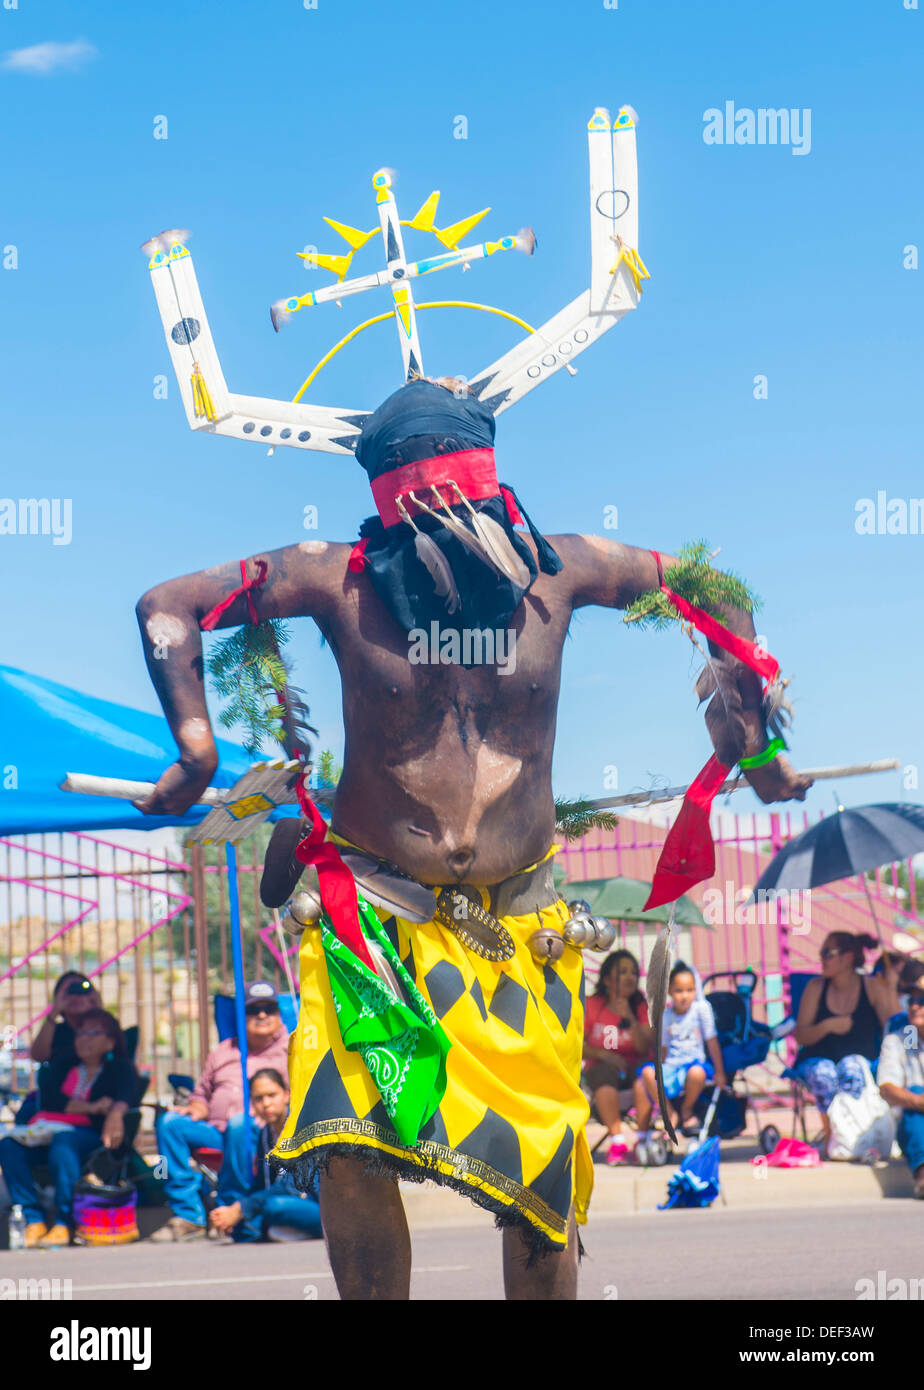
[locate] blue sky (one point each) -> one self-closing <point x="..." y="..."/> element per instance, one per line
<point x="762" y="261"/>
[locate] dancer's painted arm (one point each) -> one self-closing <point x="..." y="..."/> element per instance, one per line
<point x="612" y="575"/>
<point x="301" y="580"/>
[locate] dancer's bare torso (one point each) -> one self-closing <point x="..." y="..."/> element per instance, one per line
<point x="447" y="768"/>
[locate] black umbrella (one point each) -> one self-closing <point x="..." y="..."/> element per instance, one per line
<point x="848" y="843"/>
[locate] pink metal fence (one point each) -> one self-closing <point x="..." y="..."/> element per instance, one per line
<point x="773" y="939"/>
<point x="153" y="933"/>
<point x="61" y="921"/>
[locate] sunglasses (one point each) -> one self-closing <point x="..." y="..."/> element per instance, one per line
<point x="92" y="1033"/>
<point x="255" y="1010"/>
<point x="915" y="1001"/>
<point x="830" y="952"/>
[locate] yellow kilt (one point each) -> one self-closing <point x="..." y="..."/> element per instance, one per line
<point x="509" y="1131"/>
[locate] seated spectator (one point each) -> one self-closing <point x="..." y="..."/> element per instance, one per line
<point x="213" y="1117"/>
<point x="90" y="1092"/>
<point x="273" y="1209"/>
<point x="71" y="997"/>
<point x="617" y="1040"/>
<point x="901" y="1075"/>
<point x="841" y="1018"/>
<point x="687" y="1036"/>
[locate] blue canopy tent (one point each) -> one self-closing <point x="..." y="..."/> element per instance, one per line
<point x="49" y="730"/>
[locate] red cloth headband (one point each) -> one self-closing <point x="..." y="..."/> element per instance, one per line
<point x="472" y="469"/>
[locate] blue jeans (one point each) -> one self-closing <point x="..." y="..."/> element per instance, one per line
<point x="65" y="1156"/>
<point x="177" y="1135"/>
<point x="911" y="1134"/>
<point x="825" y="1078"/>
<point x="275" y="1207"/>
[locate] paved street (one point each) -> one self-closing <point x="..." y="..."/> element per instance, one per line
<point x="773" y="1254"/>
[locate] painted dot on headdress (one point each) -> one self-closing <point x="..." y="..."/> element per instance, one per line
<point x="186" y="331"/>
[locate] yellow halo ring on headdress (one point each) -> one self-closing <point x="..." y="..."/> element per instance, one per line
<point x="381" y="318"/>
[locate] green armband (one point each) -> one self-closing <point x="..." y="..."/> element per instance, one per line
<point x="775" y="746"/>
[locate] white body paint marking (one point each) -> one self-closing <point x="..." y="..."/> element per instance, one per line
<point x="164" y="629"/>
<point x="195" y="730"/>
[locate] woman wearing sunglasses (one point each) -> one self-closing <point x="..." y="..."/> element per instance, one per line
<point x="841" y="1019"/>
<point x="901" y="1074"/>
<point x="215" y="1117"/>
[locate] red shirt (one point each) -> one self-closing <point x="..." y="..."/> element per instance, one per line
<point x="603" y="1028"/>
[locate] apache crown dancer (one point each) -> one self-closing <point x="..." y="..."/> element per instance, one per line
<point x="446" y="799"/>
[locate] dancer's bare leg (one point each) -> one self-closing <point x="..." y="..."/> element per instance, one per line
<point x="365" y="1230"/>
<point x="552" y="1276"/>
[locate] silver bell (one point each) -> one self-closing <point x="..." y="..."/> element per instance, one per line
<point x="580" y="907"/>
<point x="546" y="944"/>
<point x="605" y="934"/>
<point x="305" y="910"/>
<point x="580" y="930"/>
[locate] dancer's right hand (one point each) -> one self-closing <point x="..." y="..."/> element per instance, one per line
<point x="180" y="787"/>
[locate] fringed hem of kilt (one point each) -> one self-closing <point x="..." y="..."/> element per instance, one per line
<point x="304" y="1169"/>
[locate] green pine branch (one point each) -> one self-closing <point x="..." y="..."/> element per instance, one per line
<point x="247" y="670"/>
<point x="574" y="818"/>
<point x="693" y="579"/>
<point x="328" y="770"/>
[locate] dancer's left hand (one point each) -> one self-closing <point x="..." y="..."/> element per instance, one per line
<point x="778" y="781"/>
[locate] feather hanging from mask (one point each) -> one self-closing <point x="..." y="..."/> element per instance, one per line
<point x="480" y="542"/>
<point x="503" y="556"/>
<point x="430" y="555"/>
<point x="494" y="538"/>
<point x="659" y="969"/>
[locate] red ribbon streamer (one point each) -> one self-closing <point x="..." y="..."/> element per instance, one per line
<point x="513" y="511"/>
<point x="357" y="561"/>
<point x="688" y="854"/>
<point x="749" y="652"/>
<point x="337" y="884"/>
<point x="210" y="620"/>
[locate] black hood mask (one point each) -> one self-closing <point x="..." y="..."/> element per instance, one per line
<point x="443" y="565"/>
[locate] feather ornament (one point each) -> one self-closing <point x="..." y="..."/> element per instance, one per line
<point x="454" y="526"/>
<point x="384" y="970"/>
<point x="503" y="556"/>
<point x="430" y="555"/>
<point x="488" y="542"/>
<point x="659" y="969"/>
<point x="165" y="241"/>
<point x="724" y="715"/>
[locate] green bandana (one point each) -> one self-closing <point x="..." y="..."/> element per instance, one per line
<point x="402" y="1045"/>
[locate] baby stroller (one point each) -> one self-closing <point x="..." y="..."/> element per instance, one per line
<point x="745" y="1043"/>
